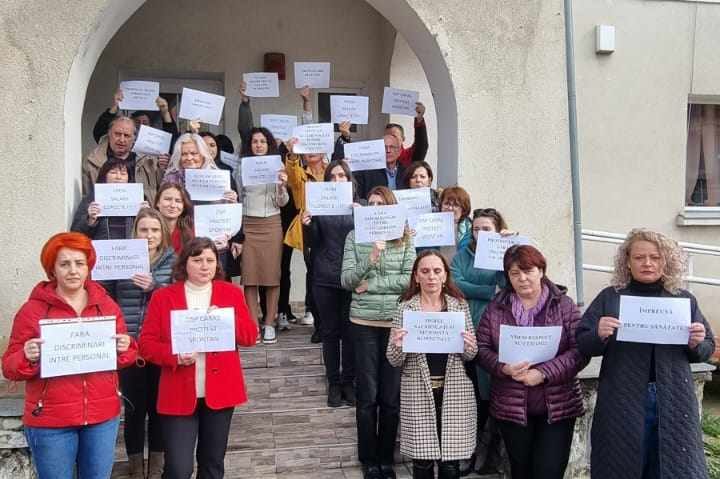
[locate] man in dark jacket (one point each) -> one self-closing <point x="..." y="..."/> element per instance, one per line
<point x="390" y="176"/>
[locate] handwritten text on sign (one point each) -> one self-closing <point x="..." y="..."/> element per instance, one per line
<point x="215" y="221"/>
<point x="416" y="201"/>
<point x="329" y="198"/>
<point x="120" y="259"/>
<point x="535" y="344"/>
<point x="379" y="223"/>
<point x="261" y="85"/>
<point x="139" y="95"/>
<point x="399" y="102"/>
<point x="261" y="170"/>
<point x="435" y="229"/>
<point x="654" y="320"/>
<point x="433" y="332"/>
<point x="119" y="199"/>
<point x="365" y="155"/>
<point x="202" y="106"/>
<point x="349" y="108"/>
<point x="207" y="184"/>
<point x="491" y="247"/>
<point x="281" y="126"/>
<point x="201" y="331"/>
<point x="314" y="138"/>
<point x="152" y="141"/>
<point x="77" y="346"/>
<point x="312" y="74"/>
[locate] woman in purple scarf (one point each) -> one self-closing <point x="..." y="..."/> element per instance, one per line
<point x="535" y="403"/>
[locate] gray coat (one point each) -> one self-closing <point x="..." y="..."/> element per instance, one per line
<point x="618" y="424"/>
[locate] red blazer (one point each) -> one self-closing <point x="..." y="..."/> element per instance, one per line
<point x="224" y="383"/>
<point x="67" y="401"/>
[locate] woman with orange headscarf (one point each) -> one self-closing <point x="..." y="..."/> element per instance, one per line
<point x="71" y="421"/>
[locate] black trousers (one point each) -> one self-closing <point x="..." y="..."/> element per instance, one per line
<point x="208" y="428"/>
<point x="309" y="299"/>
<point x="140" y="388"/>
<point x="446" y="469"/>
<point x="538" y="450"/>
<point x="377" y="386"/>
<point x="333" y="310"/>
<point x="284" y="301"/>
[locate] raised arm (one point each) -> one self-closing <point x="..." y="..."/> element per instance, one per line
<point x="420" y="145"/>
<point x="102" y="125"/>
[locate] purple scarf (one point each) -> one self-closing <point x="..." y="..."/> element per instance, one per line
<point x="525" y="317"/>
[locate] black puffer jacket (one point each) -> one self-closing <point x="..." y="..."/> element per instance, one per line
<point x="100" y="230"/>
<point x="328" y="233"/>
<point x="133" y="300"/>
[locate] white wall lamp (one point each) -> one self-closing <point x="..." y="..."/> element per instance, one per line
<point x="604" y="39"/>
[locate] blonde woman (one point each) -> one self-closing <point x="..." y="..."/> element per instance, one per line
<point x="646" y="407"/>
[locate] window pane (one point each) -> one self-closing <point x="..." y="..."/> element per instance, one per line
<point x="702" y="177"/>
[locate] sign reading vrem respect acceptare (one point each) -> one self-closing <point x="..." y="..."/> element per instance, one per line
<point x="379" y="223"/>
<point x="120" y="259"/>
<point x="201" y="331"/>
<point x="77" y="346"/>
<point x="491" y="248"/>
<point x="433" y="332"/>
<point x="654" y="320"/>
<point x="534" y="344"/>
<point x="215" y="221"/>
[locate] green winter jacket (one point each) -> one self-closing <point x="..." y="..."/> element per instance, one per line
<point x="386" y="280"/>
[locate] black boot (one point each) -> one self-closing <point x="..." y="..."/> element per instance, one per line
<point x="371" y="471"/>
<point x="423" y="469"/>
<point x="449" y="470"/>
<point x="387" y="471"/>
<point x="348" y="394"/>
<point x="334" y="396"/>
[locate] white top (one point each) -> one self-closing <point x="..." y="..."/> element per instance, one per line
<point x="198" y="298"/>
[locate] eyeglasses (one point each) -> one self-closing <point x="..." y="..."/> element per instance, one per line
<point x="391" y="148"/>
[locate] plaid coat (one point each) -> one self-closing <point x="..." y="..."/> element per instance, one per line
<point x="418" y="427"/>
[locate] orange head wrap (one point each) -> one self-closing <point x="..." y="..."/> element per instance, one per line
<point x="72" y="240"/>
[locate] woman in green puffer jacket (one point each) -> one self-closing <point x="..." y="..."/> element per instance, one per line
<point x="376" y="274"/>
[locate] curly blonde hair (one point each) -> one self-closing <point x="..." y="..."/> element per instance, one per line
<point x="674" y="259"/>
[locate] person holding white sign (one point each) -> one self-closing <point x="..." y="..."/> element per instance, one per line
<point x="420" y="175"/>
<point x="535" y="405"/>
<point x="64" y="410"/>
<point x="391" y="176"/>
<point x="213" y="144"/>
<point x="198" y="391"/>
<point x="438" y="409"/>
<point x="376" y="274"/>
<point x="175" y="207"/>
<point x="646" y="408"/>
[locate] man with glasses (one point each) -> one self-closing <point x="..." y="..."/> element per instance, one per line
<point x="390" y="176"/>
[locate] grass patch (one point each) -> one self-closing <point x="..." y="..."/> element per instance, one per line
<point x="711" y="441"/>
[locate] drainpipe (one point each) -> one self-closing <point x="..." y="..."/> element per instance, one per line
<point x="574" y="157"/>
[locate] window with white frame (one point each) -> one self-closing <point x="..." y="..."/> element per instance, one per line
<point x="702" y="174"/>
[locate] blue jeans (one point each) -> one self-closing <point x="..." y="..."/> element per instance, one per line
<point x="651" y="457"/>
<point x="57" y="451"/>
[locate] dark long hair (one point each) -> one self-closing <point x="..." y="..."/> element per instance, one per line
<point x="195" y="248"/>
<point x="448" y="288"/>
<point x="247" y="146"/>
<point x="348" y="174"/>
<point x="416" y="165"/>
<point x="217" y="145"/>
<point x="185" y="221"/>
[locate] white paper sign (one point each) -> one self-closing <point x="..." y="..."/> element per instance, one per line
<point x="314" y="138"/>
<point x="417" y="201"/>
<point x="139" y="95"/>
<point x="365" y="155"/>
<point x="120" y="259"/>
<point x="119" y="199"/>
<point x="379" y="223"/>
<point x="435" y="229"/>
<point x="261" y="170"/>
<point x="399" y="102"/>
<point x="491" y="247"/>
<point x="433" y="332"/>
<point x="328" y="198"/>
<point x="214" y="221"/>
<point x="349" y="108"/>
<point x="654" y="320"/>
<point x="77" y="346"/>
<point x="281" y="126"/>
<point x="312" y="74"/>
<point x="207" y="184"/>
<point x="199" y="105"/>
<point x="535" y="344"/>
<point x="229" y="159"/>
<point x="199" y="331"/>
<point x="261" y="85"/>
<point x="152" y="141"/>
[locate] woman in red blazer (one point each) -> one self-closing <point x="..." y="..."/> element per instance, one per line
<point x="198" y="391"/>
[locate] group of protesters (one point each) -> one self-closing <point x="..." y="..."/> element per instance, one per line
<point x="456" y="413"/>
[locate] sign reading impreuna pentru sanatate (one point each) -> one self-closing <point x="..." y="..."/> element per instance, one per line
<point x="654" y="320"/>
<point x="120" y="259"/>
<point x="202" y="331"/>
<point x="77" y="346"/>
<point x="433" y="332"/>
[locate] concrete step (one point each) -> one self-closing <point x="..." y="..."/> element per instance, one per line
<point x="292" y="349"/>
<point x="285" y="384"/>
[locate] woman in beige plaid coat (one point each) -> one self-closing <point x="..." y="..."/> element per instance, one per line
<point x="437" y="402"/>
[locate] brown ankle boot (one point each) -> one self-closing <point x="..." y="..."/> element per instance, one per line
<point x="136" y="466"/>
<point x="156" y="464"/>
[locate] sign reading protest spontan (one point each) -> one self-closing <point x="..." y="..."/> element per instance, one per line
<point x="491" y="248"/>
<point x="77" y="346"/>
<point x="365" y="155"/>
<point x="201" y="331"/>
<point x="119" y="199"/>
<point x="312" y="74"/>
<point x="260" y="170"/>
<point x="379" y="223"/>
<point x="433" y="332"/>
<point x="152" y="141"/>
<point x="261" y="85"/>
<point x="314" y="138"/>
<point x="435" y="229"/>
<point x="120" y="259"/>
<point x="399" y="102"/>
<point x="534" y="344"/>
<point x="329" y="198"/>
<point x="206" y="184"/>
<point x="417" y="202"/>
<point x="281" y="126"/>
<point x="139" y="95"/>
<point x="654" y="320"/>
<point x="202" y="106"/>
<point x="215" y="221"/>
<point x="350" y="108"/>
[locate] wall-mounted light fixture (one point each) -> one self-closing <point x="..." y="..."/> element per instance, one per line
<point x="604" y="39"/>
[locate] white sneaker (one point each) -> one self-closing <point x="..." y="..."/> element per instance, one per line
<point x="308" y="319"/>
<point x="269" y="336"/>
<point x="283" y="324"/>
